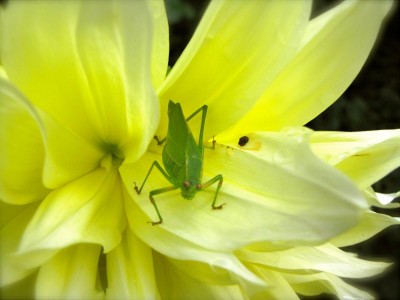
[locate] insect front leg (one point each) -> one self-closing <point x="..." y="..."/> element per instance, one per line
<point x="159" y="142"/>
<point x="156" y="192"/>
<point x="213" y="144"/>
<point x="220" y="180"/>
<point x="155" y="164"/>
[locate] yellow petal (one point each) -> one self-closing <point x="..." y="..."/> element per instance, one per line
<point x="319" y="283"/>
<point x="87" y="210"/>
<point x="21" y="151"/>
<point x="2" y="72"/>
<point x="382" y="200"/>
<point x="13" y="220"/>
<point x="71" y="274"/>
<point x="326" y="258"/>
<point x="142" y="102"/>
<point x="174" y="281"/>
<point x="115" y="46"/>
<point x="160" y="42"/>
<point x="23" y="289"/>
<point x="47" y="70"/>
<point x="280" y="185"/>
<point x="370" y="224"/>
<point x="68" y="156"/>
<point x="14" y="267"/>
<point x="198" y="271"/>
<point x="365" y="156"/>
<point x="95" y="77"/>
<point x="130" y="270"/>
<point x="237" y="50"/>
<point x="334" y="49"/>
<point x="279" y="173"/>
<point x="278" y="287"/>
<point x="173" y="246"/>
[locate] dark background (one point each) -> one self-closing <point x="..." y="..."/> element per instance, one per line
<point x="372" y="102"/>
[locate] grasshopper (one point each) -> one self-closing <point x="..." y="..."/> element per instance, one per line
<point x="182" y="158"/>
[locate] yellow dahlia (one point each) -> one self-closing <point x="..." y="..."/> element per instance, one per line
<point x="83" y="90"/>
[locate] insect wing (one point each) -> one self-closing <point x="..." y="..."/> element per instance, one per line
<point x="178" y="131"/>
<point x="174" y="152"/>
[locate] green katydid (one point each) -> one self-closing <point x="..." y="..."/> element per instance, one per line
<point x="182" y="158"/>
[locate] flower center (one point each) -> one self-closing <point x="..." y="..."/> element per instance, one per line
<point x="113" y="158"/>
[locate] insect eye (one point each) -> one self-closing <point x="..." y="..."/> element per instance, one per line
<point x="186" y="184"/>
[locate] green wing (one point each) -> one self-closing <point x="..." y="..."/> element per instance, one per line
<point x="181" y="156"/>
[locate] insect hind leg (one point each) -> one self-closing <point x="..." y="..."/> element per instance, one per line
<point x="203" y="110"/>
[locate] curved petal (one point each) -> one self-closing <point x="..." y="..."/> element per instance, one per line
<point x="160" y="42"/>
<point x="319" y="283"/>
<point x="280" y="185"/>
<point x="13" y="219"/>
<point x="382" y="200"/>
<point x="174" y="281"/>
<point x="15" y="267"/>
<point x="237" y="50"/>
<point x="278" y="287"/>
<point x="365" y="156"/>
<point x="335" y="47"/>
<point x="115" y="47"/>
<point x="23" y="289"/>
<point x="68" y="156"/>
<point x="325" y="258"/>
<point x="130" y="270"/>
<point x="71" y="274"/>
<point x="3" y="73"/>
<point x="386" y="199"/>
<point x="303" y="199"/>
<point x="143" y="104"/>
<point x="198" y="271"/>
<point x="47" y="69"/>
<point x="87" y="210"/>
<point x="175" y="247"/>
<point x="370" y="224"/>
<point x="95" y="77"/>
<point x="21" y="151"/>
